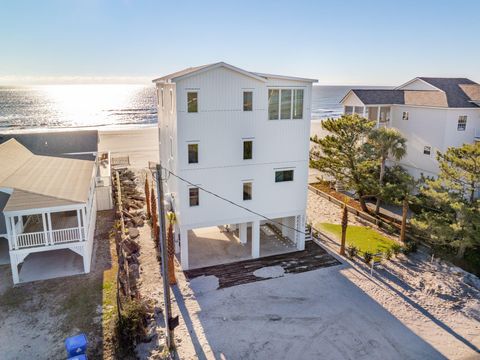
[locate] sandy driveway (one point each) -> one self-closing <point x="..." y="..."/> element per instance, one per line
<point x="313" y="315"/>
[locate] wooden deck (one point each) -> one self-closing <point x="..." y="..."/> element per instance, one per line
<point x="241" y="272"/>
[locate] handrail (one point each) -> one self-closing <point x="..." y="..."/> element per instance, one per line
<point x="59" y="236"/>
<point x="31" y="239"/>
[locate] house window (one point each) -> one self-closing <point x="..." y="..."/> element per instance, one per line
<point x="348" y="110"/>
<point x="192" y="101"/>
<point x="405" y="115"/>
<point x="193" y="194"/>
<point x="384" y="114"/>
<point x="162" y="98"/>
<point x="273" y="104"/>
<point x="298" y="104"/>
<point x="427" y="150"/>
<point x="247" y="100"/>
<point x="171" y="101"/>
<point x="192" y="153"/>
<point x="283" y="175"/>
<point x="247" y="191"/>
<point x="462" y="123"/>
<point x="285" y="104"/>
<point x="247" y="150"/>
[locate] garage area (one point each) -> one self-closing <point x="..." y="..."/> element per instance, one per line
<point x="222" y="244"/>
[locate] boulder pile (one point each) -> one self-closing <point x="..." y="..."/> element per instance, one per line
<point x="131" y="214"/>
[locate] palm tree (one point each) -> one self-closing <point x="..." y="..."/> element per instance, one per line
<point x="388" y="143"/>
<point x="171" y="249"/>
<point x="344" y="227"/>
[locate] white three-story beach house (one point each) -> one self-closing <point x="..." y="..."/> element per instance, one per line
<point x="432" y="113"/>
<point x="243" y="136"/>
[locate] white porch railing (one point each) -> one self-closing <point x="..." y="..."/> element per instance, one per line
<point x="31" y="239"/>
<point x="66" y="235"/>
<point x="61" y="236"/>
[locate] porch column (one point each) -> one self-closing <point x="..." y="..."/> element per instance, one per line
<point x="20" y="222"/>
<point x="86" y="261"/>
<point x="49" y="222"/>
<point x="285" y="223"/>
<point x="86" y="223"/>
<point x="256" y="239"/>
<point x="45" y="230"/>
<point x="300" y="236"/>
<point x="79" y="222"/>
<point x="14" y="232"/>
<point x="243" y="233"/>
<point x="50" y="228"/>
<point x="378" y="117"/>
<point x="9" y="233"/>
<point x="184" y="248"/>
<point x="14" y="266"/>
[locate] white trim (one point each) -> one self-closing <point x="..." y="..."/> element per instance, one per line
<point x="212" y="67"/>
<point x="42" y="210"/>
<point x="415" y="79"/>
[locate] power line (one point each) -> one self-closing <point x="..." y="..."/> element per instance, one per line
<point x="234" y="203"/>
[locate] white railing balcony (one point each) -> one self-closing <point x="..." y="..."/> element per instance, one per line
<point x="53" y="237"/>
<point x="66" y="235"/>
<point x="31" y="239"/>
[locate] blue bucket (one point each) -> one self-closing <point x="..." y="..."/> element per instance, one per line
<point x="78" y="357"/>
<point x="76" y="345"/>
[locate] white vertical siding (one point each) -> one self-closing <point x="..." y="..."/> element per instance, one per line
<point x="219" y="127"/>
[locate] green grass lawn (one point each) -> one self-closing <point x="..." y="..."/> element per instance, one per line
<point x="366" y="239"/>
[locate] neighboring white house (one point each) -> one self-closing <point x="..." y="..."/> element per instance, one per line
<point x="242" y="135"/>
<point x="47" y="206"/>
<point x="432" y="113"/>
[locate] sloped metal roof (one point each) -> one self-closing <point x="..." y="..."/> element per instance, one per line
<point x="42" y="181"/>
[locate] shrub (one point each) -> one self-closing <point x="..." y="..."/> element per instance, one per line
<point x="410" y="247"/>
<point x="352" y="251"/>
<point x="397" y="249"/>
<point x="388" y="254"/>
<point x="367" y="257"/>
<point x="130" y="326"/>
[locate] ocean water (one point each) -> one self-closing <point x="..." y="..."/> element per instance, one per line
<point x="99" y="106"/>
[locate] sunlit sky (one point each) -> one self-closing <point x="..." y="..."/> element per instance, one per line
<point x="369" y="42"/>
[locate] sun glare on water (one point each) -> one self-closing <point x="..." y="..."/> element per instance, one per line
<point x="88" y="105"/>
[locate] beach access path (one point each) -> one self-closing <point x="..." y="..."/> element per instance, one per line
<point x="140" y="144"/>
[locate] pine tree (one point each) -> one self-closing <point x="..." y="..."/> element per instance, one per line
<point x="451" y="210"/>
<point x="345" y="154"/>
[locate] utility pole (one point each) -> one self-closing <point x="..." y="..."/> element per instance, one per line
<point x="163" y="251"/>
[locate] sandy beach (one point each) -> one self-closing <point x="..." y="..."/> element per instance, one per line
<point x="141" y="144"/>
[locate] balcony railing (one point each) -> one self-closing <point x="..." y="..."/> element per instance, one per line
<point x="53" y="237"/>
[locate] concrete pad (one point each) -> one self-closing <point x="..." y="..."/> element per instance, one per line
<point x="213" y="246"/>
<point x="4" y="253"/>
<point x="51" y="264"/>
